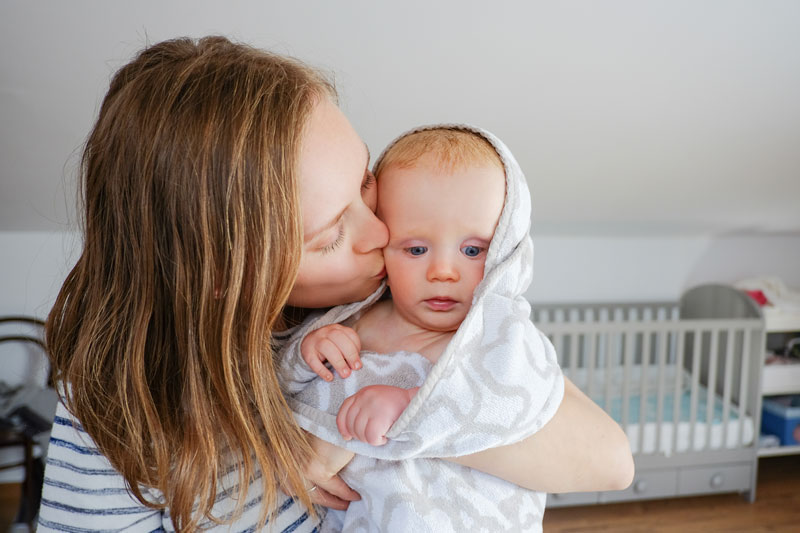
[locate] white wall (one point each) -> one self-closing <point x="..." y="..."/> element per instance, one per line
<point x="32" y="269"/>
<point x="585" y="269"/>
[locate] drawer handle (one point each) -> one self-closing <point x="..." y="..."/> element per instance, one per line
<point x="717" y="480"/>
<point x="640" y="486"/>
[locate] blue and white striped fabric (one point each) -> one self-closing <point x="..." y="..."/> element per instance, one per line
<point x="83" y="492"/>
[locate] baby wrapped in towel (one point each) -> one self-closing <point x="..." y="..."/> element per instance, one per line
<point x="451" y="364"/>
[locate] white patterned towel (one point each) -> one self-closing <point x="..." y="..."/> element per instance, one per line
<point x="496" y="383"/>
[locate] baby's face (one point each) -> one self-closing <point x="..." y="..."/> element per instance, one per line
<point x="440" y="225"/>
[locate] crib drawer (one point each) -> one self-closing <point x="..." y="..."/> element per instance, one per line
<point x="646" y="485"/>
<point x="571" y="498"/>
<point x="722" y="478"/>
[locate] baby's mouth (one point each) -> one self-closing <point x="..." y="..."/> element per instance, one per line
<point x="441" y="303"/>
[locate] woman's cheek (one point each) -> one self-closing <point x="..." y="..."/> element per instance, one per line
<point x="342" y="268"/>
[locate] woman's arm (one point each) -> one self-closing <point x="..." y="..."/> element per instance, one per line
<point x="580" y="449"/>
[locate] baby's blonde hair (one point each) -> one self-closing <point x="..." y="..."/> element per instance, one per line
<point x="451" y="148"/>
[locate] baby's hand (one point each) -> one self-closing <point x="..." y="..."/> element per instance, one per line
<point x="368" y="414"/>
<point x="339" y="345"/>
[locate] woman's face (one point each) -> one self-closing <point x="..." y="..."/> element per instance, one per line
<point x="342" y="259"/>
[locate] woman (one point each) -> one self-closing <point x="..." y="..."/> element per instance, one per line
<point x="221" y="187"/>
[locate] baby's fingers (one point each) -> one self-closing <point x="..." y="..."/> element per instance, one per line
<point x="349" y="344"/>
<point x="320" y="369"/>
<point x="331" y="352"/>
<point x="341" y="418"/>
<point x="358" y="426"/>
<point x="375" y="432"/>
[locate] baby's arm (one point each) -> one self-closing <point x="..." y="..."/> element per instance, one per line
<point x="368" y="414"/>
<point x="336" y="344"/>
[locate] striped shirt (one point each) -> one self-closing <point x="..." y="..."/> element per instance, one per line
<point x="82" y="492"/>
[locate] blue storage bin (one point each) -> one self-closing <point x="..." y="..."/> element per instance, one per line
<point x="780" y="416"/>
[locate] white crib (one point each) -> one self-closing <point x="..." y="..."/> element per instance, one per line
<point x="683" y="380"/>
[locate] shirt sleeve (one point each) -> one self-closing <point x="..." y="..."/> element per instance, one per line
<point x="82" y="492"/>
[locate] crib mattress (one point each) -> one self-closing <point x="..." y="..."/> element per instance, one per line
<point x="669" y="437"/>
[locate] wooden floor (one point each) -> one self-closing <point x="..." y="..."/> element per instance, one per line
<point x="777" y="509"/>
<point x="9" y="503"/>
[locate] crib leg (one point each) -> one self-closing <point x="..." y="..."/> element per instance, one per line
<point x="751" y="494"/>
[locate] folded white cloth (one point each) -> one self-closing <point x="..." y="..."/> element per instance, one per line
<point x="496" y="383"/>
<point x="776" y="291"/>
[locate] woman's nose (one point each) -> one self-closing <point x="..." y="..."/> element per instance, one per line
<point x="443" y="268"/>
<point x="373" y="235"/>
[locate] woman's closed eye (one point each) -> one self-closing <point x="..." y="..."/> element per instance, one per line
<point x="336" y="243"/>
<point x="472" y="251"/>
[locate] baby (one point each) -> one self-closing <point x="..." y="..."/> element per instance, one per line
<point x="442" y="192"/>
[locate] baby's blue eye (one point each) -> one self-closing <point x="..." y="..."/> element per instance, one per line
<point x="417" y="250"/>
<point x="472" y="251"/>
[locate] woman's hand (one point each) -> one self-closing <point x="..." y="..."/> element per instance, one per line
<point x="323" y="472"/>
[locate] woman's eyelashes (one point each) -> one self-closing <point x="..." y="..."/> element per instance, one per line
<point x="335" y="244"/>
<point x="366" y="185"/>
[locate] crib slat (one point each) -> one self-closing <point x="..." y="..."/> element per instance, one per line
<point x="573" y="354"/>
<point x="726" y="388"/>
<point x="745" y="371"/>
<point x="676" y="405"/>
<point x="627" y="356"/>
<point x="558" y="344"/>
<point x="696" y="356"/>
<point x="662" y="362"/>
<point x="607" y="394"/>
<point x="643" y="390"/>
<point x="592" y="339"/>
<point x="711" y="385"/>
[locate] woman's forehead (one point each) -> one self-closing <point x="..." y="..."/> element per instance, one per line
<point x="333" y="159"/>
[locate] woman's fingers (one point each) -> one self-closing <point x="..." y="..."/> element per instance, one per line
<point x="337" y="488"/>
<point x="322" y="497"/>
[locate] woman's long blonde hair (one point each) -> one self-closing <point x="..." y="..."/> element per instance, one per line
<point x="191" y="218"/>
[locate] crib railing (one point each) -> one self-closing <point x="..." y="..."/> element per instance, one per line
<point x="617" y="361"/>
